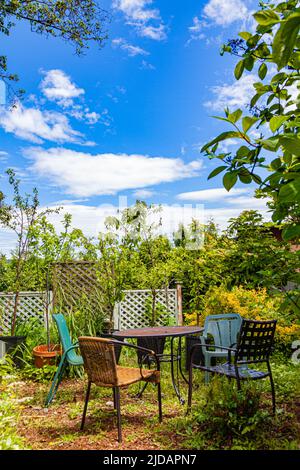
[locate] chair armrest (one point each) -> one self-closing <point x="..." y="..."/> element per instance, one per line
<point x="74" y="346"/>
<point x="148" y="352"/>
<point x="193" y="350"/>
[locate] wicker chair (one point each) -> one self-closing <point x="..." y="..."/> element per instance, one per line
<point x="102" y="369"/>
<point x="254" y="346"/>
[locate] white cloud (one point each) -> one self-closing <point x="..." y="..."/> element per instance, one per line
<point x="220" y="13"/>
<point x="143" y="193"/>
<point x="3" y="156"/>
<point x="147" y="66"/>
<point x="235" y="95"/>
<point x="157" y="33"/>
<point x="196" y="29"/>
<point x="57" y="86"/>
<point x="225" y="12"/>
<point x="141" y="15"/>
<point x="36" y="126"/>
<point x="84" y="175"/>
<point x="129" y="48"/>
<point x="209" y="195"/>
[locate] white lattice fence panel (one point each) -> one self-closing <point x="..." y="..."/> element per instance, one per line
<point x="133" y="311"/>
<point x="30" y="305"/>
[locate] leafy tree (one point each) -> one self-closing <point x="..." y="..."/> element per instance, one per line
<point x="78" y="22"/>
<point x="256" y="258"/>
<point x="20" y="218"/>
<point x="272" y="159"/>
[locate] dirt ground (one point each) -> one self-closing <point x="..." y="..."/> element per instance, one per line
<point x="57" y="427"/>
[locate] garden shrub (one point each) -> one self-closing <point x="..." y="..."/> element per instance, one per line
<point x="226" y="413"/>
<point x="254" y="304"/>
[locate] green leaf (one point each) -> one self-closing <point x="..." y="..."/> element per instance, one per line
<point x="255" y="99"/>
<point x="216" y="171"/>
<point x="248" y="122"/>
<point x="291" y="232"/>
<point x="290" y="192"/>
<point x="245" y="176"/>
<point x="243" y="151"/>
<point x="262" y="71"/>
<point x="235" y="116"/>
<point x="248" y="63"/>
<point x="291" y="144"/>
<point x="285" y="39"/>
<point x="256" y="178"/>
<point x="221" y="137"/>
<point x="266" y="17"/>
<point x="239" y="69"/>
<point x="270" y="144"/>
<point x="276" y="164"/>
<point x="276" y="122"/>
<point x="229" y="180"/>
<point x="245" y="35"/>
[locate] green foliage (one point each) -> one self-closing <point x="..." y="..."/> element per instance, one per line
<point x="230" y="412"/>
<point x="274" y="111"/>
<point x="157" y="313"/>
<point x="9" y="439"/>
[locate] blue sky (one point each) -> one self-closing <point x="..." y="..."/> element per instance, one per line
<point x="128" y="120"/>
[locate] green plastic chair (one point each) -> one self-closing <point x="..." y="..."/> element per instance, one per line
<point x="69" y="355"/>
<point x="224" y="330"/>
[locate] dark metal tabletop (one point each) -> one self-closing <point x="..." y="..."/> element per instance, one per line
<point x="158" y="332"/>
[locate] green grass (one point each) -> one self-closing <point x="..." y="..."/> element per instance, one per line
<point x="221" y="417"/>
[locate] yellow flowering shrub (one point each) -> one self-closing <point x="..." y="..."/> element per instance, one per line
<point x="250" y="304"/>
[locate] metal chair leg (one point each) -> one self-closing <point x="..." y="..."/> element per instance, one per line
<point x="190" y="388"/>
<point x="140" y="393"/>
<point x="118" y="413"/>
<point x="273" y="391"/>
<point x="56" y="381"/>
<point x="85" y="405"/>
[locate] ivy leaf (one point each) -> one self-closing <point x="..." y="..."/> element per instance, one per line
<point x="216" y="171"/>
<point x="229" y="180"/>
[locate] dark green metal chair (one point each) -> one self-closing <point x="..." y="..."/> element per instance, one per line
<point x="254" y="346"/>
<point x="69" y="355"/>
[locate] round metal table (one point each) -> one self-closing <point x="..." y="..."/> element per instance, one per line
<point x="163" y="332"/>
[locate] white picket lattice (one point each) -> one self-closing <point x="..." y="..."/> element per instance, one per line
<point x="132" y="311"/>
<point x="31" y="305"/>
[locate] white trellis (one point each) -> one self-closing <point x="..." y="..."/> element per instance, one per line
<point x="31" y="305"/>
<point x="132" y="311"/>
